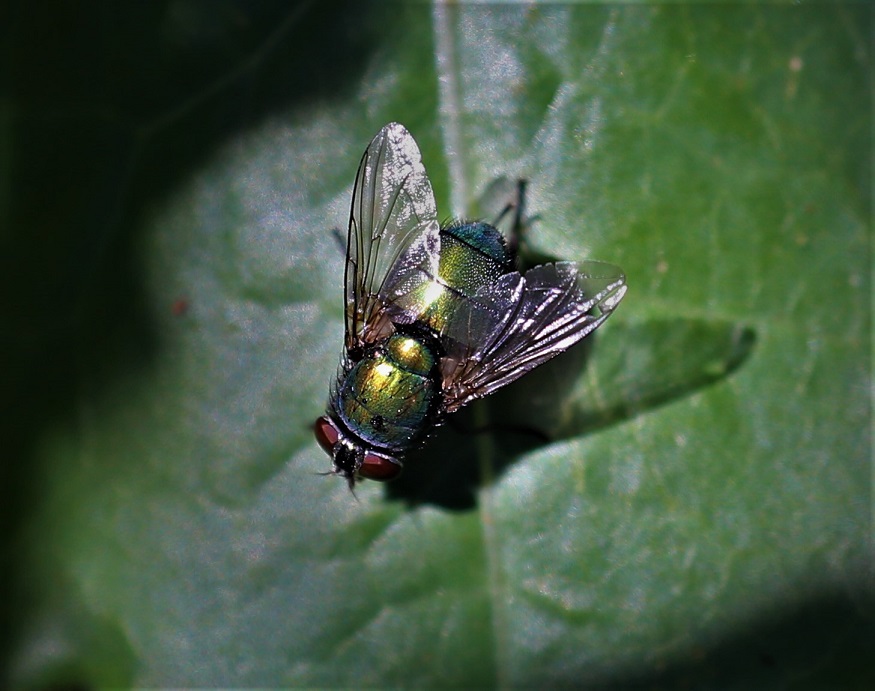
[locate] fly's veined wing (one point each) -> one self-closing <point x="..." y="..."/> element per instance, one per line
<point x="519" y="322"/>
<point x="393" y="240"/>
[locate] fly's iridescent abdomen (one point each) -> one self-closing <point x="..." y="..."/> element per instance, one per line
<point x="388" y="398"/>
<point x="437" y="317"/>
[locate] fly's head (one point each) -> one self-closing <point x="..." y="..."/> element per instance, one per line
<point x="351" y="459"/>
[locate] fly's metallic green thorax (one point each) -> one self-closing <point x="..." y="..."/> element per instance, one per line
<point x="476" y="252"/>
<point x="472" y="255"/>
<point x="437" y="317"/>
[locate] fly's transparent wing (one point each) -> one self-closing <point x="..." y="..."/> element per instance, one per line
<point x="519" y="322"/>
<point x="393" y="240"/>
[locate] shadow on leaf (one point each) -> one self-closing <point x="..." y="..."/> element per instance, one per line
<point x="609" y="378"/>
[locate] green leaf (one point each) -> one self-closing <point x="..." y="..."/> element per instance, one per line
<point x="700" y="515"/>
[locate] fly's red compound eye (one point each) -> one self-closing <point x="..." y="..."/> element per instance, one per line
<point x="381" y="468"/>
<point x="327" y="434"/>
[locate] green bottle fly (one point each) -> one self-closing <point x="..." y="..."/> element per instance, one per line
<point x="437" y="317"/>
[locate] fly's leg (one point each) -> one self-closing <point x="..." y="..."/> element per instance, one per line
<point x="524" y="256"/>
<point x="512" y="219"/>
<point x="518" y="221"/>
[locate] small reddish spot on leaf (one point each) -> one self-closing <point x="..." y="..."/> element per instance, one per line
<point x="179" y="307"/>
